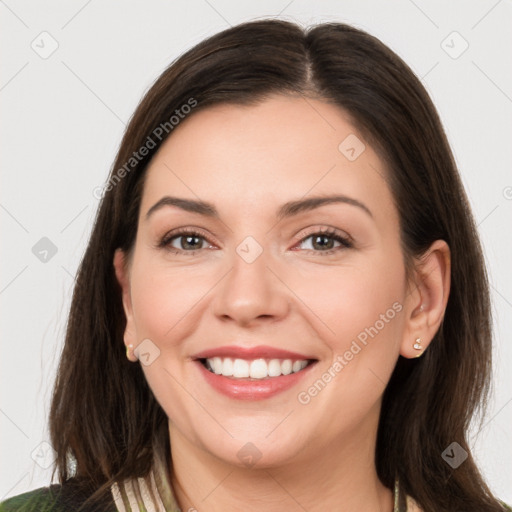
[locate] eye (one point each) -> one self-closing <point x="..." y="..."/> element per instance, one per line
<point x="184" y="240"/>
<point x="324" y="241"/>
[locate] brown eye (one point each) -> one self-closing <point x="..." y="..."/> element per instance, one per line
<point x="186" y="242"/>
<point x="324" y="241"/>
<point x="183" y="241"/>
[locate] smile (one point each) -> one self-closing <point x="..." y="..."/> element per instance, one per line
<point x="253" y="369"/>
<point x="252" y="373"/>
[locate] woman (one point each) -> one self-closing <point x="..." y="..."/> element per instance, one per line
<point x="286" y="253"/>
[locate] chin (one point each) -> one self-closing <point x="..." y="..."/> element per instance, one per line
<point x="254" y="451"/>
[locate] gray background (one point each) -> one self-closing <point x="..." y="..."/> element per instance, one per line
<point x="63" y="115"/>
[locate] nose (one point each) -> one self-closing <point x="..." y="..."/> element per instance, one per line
<point x="252" y="292"/>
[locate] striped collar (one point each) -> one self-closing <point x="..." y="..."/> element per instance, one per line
<point x="131" y="491"/>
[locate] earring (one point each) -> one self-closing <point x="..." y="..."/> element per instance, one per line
<point x="417" y="346"/>
<point x="130" y="354"/>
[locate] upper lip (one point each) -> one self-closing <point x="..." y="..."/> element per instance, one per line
<point x="259" y="352"/>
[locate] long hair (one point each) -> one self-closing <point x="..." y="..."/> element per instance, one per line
<point x="104" y="416"/>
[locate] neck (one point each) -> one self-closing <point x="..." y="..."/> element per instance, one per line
<point x="341" y="476"/>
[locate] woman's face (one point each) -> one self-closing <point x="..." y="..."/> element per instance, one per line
<point x="257" y="273"/>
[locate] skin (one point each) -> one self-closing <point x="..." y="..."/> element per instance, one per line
<point x="248" y="161"/>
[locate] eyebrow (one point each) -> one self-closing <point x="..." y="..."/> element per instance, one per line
<point x="288" y="209"/>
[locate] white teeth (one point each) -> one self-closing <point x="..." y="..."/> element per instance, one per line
<point x="216" y="364"/>
<point x="227" y="367"/>
<point x="286" y="366"/>
<point x="274" y="368"/>
<point x="258" y="369"/>
<point x="297" y="365"/>
<point x="255" y="369"/>
<point x="240" y="369"/>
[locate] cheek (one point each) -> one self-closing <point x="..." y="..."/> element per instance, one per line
<point x="164" y="299"/>
<point x="362" y="308"/>
<point x="164" y="303"/>
<point x="360" y="302"/>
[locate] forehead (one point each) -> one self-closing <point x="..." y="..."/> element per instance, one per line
<point x="280" y="149"/>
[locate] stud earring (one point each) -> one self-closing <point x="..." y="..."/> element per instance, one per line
<point x="129" y="353"/>
<point x="417" y="346"/>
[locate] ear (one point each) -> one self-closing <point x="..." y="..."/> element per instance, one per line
<point x="123" y="278"/>
<point x="427" y="298"/>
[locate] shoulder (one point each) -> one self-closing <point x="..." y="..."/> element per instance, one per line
<point x="44" y="498"/>
<point x="54" y="498"/>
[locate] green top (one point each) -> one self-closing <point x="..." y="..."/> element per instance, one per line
<point x="55" y="498"/>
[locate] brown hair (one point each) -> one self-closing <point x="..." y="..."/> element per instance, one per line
<point x="103" y="413"/>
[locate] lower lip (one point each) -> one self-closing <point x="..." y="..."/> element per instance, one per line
<point x="245" y="389"/>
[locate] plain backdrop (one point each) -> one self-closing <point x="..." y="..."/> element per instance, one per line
<point x="72" y="75"/>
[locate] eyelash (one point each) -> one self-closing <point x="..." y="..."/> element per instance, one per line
<point x="345" y="242"/>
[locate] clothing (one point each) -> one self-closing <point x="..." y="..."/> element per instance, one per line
<point x="65" y="498"/>
<point x="54" y="498"/>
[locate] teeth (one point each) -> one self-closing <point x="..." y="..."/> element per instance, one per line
<point x="297" y="366"/>
<point x="255" y="369"/>
<point x="274" y="368"/>
<point x="286" y="367"/>
<point x="240" y="369"/>
<point x="258" y="369"/>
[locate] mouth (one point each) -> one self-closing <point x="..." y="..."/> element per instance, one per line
<point x="252" y="374"/>
<point x="254" y="369"/>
